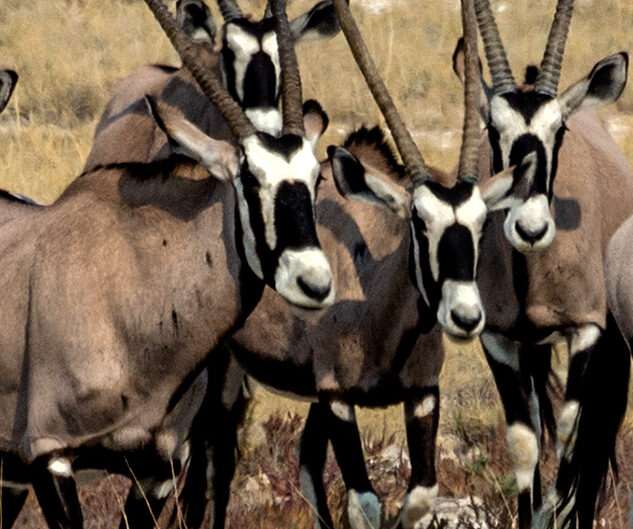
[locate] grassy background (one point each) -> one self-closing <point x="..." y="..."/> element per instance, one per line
<point x="70" y="54"/>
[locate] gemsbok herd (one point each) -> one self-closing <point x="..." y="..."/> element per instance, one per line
<point x="134" y="307"/>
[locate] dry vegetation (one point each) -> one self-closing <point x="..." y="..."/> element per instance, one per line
<point x="70" y="54"/>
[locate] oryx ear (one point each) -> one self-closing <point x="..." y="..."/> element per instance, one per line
<point x="354" y="182"/>
<point x="320" y="23"/>
<point x="8" y="79"/>
<point x="315" y="121"/>
<point x="604" y="84"/>
<point x="219" y="157"/>
<point x="459" y="67"/>
<point x="511" y="185"/>
<point x="195" y="18"/>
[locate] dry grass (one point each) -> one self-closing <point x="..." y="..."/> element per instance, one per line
<point x="70" y="54"/>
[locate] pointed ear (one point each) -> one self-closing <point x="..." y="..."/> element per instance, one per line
<point x="355" y="183"/>
<point x="195" y="18"/>
<point x="315" y="121"/>
<point x="8" y="79"/>
<point x="219" y="157"/>
<point x="604" y="84"/>
<point x="459" y="67"/>
<point x="320" y="23"/>
<point x="511" y="185"/>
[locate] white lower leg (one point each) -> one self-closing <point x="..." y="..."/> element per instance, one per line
<point x="363" y="510"/>
<point x="418" y="502"/>
<point x="524" y="452"/>
<point x="566" y="429"/>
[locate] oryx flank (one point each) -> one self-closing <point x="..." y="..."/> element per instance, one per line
<point x="399" y="266"/>
<point x="116" y="294"/>
<point x="541" y="269"/>
<point x="248" y="63"/>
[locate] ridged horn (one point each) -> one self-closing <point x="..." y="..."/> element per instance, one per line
<point x="291" y="94"/>
<point x="502" y="78"/>
<point x="411" y="156"/>
<point x="547" y="80"/>
<point x="235" y="117"/>
<point x="469" y="154"/>
<point x="230" y="10"/>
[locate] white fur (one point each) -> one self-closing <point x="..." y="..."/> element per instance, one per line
<point x="163" y="489"/>
<point x="417" y="503"/>
<point x="566" y="428"/>
<point x="425" y="406"/>
<point x="60" y="467"/>
<point x="584" y="338"/>
<point x="266" y="119"/>
<point x="363" y="510"/>
<point x="524" y="452"/>
<point x="502" y="349"/>
<point x="270" y="47"/>
<point x="309" y="264"/>
<point x="307" y="488"/>
<point x="342" y="410"/>
<point x="244" y="46"/>
<point x="532" y="215"/>
<point x="462" y="297"/>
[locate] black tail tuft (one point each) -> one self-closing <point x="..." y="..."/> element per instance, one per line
<point x="603" y="403"/>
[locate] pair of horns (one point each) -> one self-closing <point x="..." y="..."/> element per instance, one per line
<point x="411" y="155"/>
<point x="549" y="74"/>
<point x="234" y="115"/>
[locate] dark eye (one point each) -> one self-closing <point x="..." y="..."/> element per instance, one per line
<point x="248" y="180"/>
<point x="418" y="223"/>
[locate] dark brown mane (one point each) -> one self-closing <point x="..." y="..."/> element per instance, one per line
<point x="381" y="150"/>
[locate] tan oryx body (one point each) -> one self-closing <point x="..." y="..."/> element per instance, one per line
<point x="117" y="293"/>
<point x="541" y="269"/>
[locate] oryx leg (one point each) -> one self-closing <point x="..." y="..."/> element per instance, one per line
<point x="422" y="415"/>
<point x="363" y="507"/>
<point x="312" y="456"/>
<point x="520" y="404"/>
<point x="145" y="501"/>
<point x="56" y="491"/>
<point x="11" y="505"/>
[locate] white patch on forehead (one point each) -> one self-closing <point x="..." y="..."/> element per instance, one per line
<point x="437" y="216"/>
<point x="266" y="119"/>
<point x="270" y="48"/>
<point x="244" y="46"/>
<point x="472" y="212"/>
<point x="271" y="169"/>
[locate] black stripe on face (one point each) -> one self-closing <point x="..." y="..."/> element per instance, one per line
<point x="260" y="82"/>
<point x="228" y="59"/>
<point x="430" y="287"/>
<point x="456" y="254"/>
<point x="294" y="217"/>
<point x="524" y="145"/>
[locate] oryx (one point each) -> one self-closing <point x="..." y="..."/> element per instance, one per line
<point x="116" y="294"/>
<point x="399" y="266"/>
<point x="248" y="63"/>
<point x="541" y="268"/>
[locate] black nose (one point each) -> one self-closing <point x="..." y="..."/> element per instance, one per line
<point x="315" y="291"/>
<point x="530" y="236"/>
<point x="466" y="322"/>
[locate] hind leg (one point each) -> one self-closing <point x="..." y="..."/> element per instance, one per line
<point x="516" y="389"/>
<point x="11" y="505"/>
<point x="56" y="492"/>
<point x="422" y="415"/>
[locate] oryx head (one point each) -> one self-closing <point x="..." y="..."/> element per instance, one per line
<point x="446" y="222"/>
<point x="274" y="178"/>
<point x="532" y="118"/>
<point x="8" y="79"/>
<point x="250" y="56"/>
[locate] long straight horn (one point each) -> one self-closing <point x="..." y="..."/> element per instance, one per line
<point x="547" y="80"/>
<point x="230" y="10"/>
<point x="469" y="154"/>
<point x="291" y="95"/>
<point x="502" y="79"/>
<point x="235" y="117"/>
<point x="409" y="152"/>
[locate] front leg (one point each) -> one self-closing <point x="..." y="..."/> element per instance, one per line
<point x="363" y="507"/>
<point x="56" y="492"/>
<point x="422" y="415"/>
<point x="516" y="389"/>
